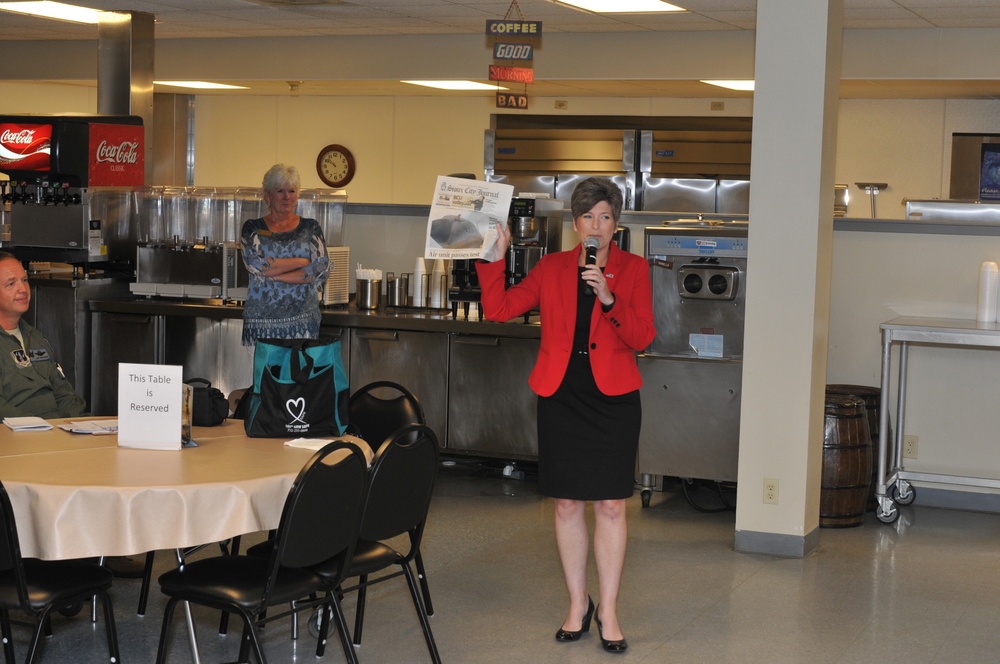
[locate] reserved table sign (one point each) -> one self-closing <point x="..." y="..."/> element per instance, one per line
<point x="150" y="406"/>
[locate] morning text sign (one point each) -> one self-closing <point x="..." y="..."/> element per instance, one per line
<point x="150" y="398"/>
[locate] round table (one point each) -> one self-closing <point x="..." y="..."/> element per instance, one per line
<point x="78" y="495"/>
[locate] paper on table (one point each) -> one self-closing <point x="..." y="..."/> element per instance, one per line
<point x="27" y="424"/>
<point x="94" y="427"/>
<point x="316" y="444"/>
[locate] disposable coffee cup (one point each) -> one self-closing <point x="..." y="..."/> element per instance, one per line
<point x="368" y="293"/>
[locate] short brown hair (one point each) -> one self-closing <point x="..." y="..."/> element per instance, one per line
<point x="592" y="191"/>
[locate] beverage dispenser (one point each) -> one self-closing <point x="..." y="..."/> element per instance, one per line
<point x="64" y="192"/>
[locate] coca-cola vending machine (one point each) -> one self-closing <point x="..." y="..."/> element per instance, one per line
<point x="68" y="196"/>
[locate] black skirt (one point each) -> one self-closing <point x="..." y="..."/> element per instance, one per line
<point x="587" y="440"/>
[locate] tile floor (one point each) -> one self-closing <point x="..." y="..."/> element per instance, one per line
<point x="926" y="589"/>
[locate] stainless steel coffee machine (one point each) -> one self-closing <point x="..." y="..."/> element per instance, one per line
<point x="535" y="230"/>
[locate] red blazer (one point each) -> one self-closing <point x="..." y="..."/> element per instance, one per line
<point x="551" y="287"/>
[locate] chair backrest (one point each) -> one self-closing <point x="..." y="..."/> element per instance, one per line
<point x="322" y="513"/>
<point x="10" y="548"/>
<point x="376" y="417"/>
<point x="400" y="484"/>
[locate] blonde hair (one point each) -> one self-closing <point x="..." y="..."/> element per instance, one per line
<point x="280" y="175"/>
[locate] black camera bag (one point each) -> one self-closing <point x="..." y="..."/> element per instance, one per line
<point x="210" y="407"/>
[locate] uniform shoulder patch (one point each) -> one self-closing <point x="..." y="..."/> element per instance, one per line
<point x="20" y="358"/>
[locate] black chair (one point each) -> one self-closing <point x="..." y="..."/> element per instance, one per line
<point x="319" y="524"/>
<point x="228" y="547"/>
<point x="399" y="494"/>
<point x="375" y="418"/>
<point x="36" y="587"/>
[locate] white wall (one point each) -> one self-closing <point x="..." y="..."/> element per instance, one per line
<point x="905" y="143"/>
<point x="952" y="392"/>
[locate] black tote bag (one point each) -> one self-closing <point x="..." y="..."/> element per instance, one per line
<point x="300" y="389"/>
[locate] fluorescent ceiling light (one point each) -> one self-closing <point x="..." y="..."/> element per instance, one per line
<point x="56" y="10"/>
<point x="456" y="85"/>
<point x="200" y="85"/>
<point x="733" y="85"/>
<point x="623" y="6"/>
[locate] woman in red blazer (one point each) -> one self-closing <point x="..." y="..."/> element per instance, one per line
<point x="595" y="315"/>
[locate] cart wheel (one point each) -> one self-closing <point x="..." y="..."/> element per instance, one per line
<point x="886" y="512"/>
<point x="903" y="493"/>
<point x="314" y="622"/>
<point x="71" y="610"/>
<point x="646" y="495"/>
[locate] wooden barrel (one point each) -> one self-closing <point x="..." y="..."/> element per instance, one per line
<point x="847" y="462"/>
<point x="872" y="396"/>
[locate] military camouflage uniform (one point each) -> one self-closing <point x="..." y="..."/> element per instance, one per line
<point x="31" y="382"/>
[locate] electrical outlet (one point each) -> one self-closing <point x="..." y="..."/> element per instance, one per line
<point x="770" y="491"/>
<point x="910" y="446"/>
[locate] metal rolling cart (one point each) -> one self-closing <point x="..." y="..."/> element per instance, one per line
<point x="893" y="486"/>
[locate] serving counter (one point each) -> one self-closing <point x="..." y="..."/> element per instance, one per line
<point x="470" y="375"/>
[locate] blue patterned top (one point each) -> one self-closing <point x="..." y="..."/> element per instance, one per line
<point x="273" y="309"/>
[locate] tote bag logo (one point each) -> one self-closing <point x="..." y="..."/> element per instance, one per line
<point x="296" y="404"/>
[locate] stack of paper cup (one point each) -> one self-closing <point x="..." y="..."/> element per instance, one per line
<point x="438" y="285"/>
<point x="986" y="311"/>
<point x="419" y="277"/>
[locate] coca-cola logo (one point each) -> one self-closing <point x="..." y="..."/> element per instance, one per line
<point x="23" y="137"/>
<point x="25" y="147"/>
<point x="126" y="152"/>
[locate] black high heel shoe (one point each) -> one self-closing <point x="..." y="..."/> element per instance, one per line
<point x="616" y="646"/>
<point x="566" y="635"/>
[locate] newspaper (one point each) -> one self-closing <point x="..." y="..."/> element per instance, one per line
<point x="464" y="214"/>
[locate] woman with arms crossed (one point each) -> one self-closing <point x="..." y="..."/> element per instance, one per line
<point x="288" y="265"/>
<point x="594" y="318"/>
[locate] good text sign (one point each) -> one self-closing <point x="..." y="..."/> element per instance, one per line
<point x="150" y="398"/>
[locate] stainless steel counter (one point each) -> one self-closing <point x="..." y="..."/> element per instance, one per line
<point x="418" y="320"/>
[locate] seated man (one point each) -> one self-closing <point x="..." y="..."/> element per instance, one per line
<point x="31" y="382"/>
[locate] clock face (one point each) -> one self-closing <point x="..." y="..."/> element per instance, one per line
<point x="335" y="165"/>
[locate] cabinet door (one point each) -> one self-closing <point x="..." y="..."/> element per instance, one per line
<point x="416" y="360"/>
<point x="116" y="337"/>
<point x="690" y="418"/>
<point x="491" y="409"/>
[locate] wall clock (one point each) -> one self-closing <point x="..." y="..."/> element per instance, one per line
<point x="335" y="165"/>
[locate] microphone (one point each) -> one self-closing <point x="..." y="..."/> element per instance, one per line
<point x="590" y="246"/>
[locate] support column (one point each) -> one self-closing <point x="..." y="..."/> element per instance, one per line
<point x="797" y="73"/>
<point x="125" y="71"/>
